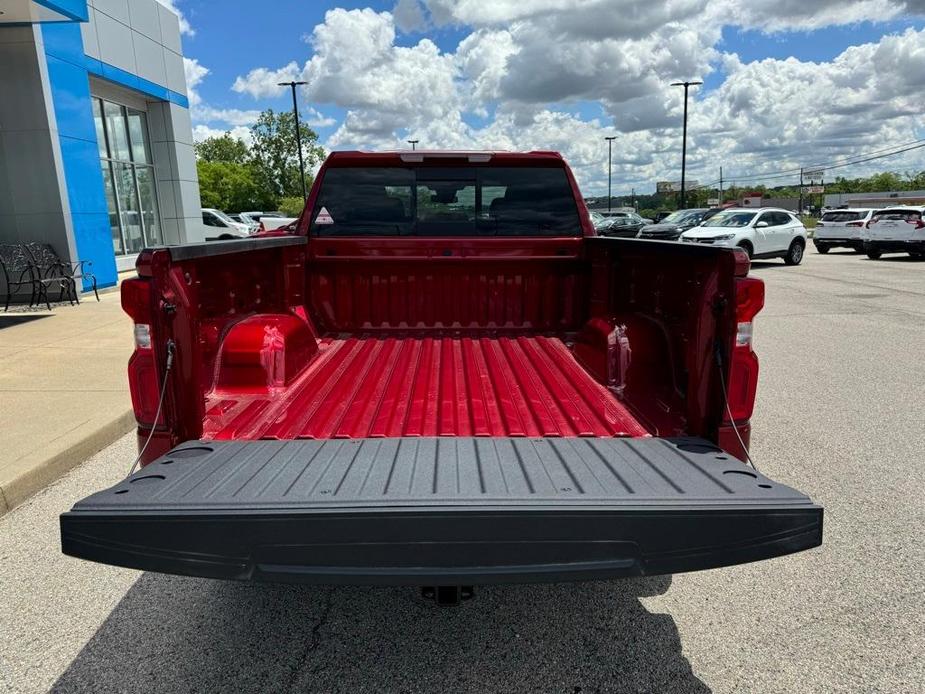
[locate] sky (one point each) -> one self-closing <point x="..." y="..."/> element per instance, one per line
<point x="787" y="83"/>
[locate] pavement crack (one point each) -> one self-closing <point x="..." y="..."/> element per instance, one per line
<point x="313" y="642"/>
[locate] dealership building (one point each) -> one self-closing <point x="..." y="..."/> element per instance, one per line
<point x="96" y="146"/>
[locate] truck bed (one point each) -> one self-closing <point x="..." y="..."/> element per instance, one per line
<point x="392" y="385"/>
<point x="441" y="511"/>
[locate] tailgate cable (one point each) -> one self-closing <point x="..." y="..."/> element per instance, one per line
<point x="171" y="351"/>
<point x="718" y="356"/>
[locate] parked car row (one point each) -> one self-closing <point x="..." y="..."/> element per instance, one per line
<point x="621" y="223"/>
<point x="670" y="227"/>
<point x="898" y="229"/>
<point x="778" y="233"/>
<point x="252" y="219"/>
<point x="240" y="225"/>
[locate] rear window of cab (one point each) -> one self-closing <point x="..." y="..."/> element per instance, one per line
<point x="445" y="201"/>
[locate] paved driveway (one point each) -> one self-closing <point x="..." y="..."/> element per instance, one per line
<point x="840" y="415"/>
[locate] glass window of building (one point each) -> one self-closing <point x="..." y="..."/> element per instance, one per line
<point x="128" y="176"/>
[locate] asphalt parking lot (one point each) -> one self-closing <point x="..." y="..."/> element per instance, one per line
<point x="840" y="415"/>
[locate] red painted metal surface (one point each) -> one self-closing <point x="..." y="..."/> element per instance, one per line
<point x="366" y="284"/>
<point x="444" y="336"/>
<point x="471" y="385"/>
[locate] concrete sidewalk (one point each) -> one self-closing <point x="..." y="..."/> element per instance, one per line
<point x="63" y="390"/>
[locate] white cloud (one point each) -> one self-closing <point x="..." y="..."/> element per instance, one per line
<point x="185" y="27"/>
<point x="562" y="74"/>
<point x="263" y="82"/>
<point x="194" y="73"/>
<point x="203" y="132"/>
<point x="315" y="119"/>
<point x="231" y="116"/>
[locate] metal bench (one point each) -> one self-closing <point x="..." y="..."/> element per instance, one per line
<point x="20" y="270"/>
<point x="51" y="266"/>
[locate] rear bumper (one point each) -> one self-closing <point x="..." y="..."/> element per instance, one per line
<point x="842" y="241"/>
<point x="895" y="246"/>
<point x="441" y="511"/>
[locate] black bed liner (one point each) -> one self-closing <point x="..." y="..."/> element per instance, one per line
<point x="441" y="511"/>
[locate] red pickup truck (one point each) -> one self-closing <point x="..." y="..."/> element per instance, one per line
<point x="442" y="378"/>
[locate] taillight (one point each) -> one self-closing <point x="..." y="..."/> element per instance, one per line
<point x="820" y="224"/>
<point x="142" y="367"/>
<point x="743" y="367"/>
<point x="918" y="223"/>
<point x="136" y="299"/>
<point x="855" y="224"/>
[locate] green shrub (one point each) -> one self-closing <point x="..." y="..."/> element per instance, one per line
<point x="291" y="206"/>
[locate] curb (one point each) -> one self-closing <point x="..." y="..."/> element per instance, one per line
<point x="18" y="489"/>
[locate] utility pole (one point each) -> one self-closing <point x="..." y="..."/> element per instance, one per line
<point x="413" y="144"/>
<point x="610" y="140"/>
<point x="721" y="186"/>
<point x="686" y="85"/>
<point x="634" y="199"/>
<point x="801" y="191"/>
<point x="298" y="134"/>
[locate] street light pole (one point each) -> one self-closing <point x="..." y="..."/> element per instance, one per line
<point x="412" y="143"/>
<point x="298" y="134"/>
<point x="610" y="140"/>
<point x="686" y="86"/>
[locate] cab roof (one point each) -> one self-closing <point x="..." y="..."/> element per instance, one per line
<point x="407" y="156"/>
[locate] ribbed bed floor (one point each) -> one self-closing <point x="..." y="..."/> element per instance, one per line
<point x="390" y="386"/>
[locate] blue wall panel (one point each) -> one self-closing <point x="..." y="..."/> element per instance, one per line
<point x="94" y="246"/>
<point x="84" y="178"/>
<point x="70" y="90"/>
<point x="127" y="79"/>
<point x="70" y="93"/>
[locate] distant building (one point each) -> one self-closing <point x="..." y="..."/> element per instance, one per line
<point x="877" y="199"/>
<point x="755" y="200"/>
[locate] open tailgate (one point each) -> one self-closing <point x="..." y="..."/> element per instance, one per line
<point x="431" y="511"/>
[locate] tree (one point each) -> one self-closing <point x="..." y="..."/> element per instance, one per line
<point x="235" y="176"/>
<point x="291" y="206"/>
<point x="225" y="148"/>
<point x="275" y="156"/>
<point x="231" y="187"/>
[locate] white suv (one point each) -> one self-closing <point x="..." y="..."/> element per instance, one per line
<point x="221" y="226"/>
<point x="841" y="228"/>
<point x="896" y="230"/>
<point x="766" y="233"/>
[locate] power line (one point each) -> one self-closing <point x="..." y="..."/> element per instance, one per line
<point x="793" y="173"/>
<point x="869" y="156"/>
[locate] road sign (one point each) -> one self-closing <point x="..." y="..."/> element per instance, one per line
<point x="713" y="202"/>
<point x="813" y="174"/>
<point x="813" y="190"/>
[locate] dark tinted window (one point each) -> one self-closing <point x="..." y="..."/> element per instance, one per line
<point x="903" y="215"/>
<point x="211" y="221"/>
<point x="430" y="201"/>
<point x="728" y="218"/>
<point x="842" y="216"/>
